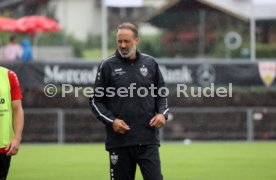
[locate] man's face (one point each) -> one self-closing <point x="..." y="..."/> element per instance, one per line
<point x="126" y="43"/>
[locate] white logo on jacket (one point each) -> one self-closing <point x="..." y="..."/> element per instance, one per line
<point x="144" y="70"/>
<point x="119" y="69"/>
<point x="114" y="158"/>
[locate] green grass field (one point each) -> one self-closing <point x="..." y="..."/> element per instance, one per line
<point x="197" y="161"/>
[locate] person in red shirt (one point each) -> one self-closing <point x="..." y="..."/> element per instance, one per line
<point x="15" y="94"/>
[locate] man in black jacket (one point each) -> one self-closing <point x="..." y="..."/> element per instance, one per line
<point x="130" y="98"/>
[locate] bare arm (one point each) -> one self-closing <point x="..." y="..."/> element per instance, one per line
<point x="18" y="123"/>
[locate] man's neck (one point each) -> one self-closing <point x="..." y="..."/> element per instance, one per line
<point x="133" y="57"/>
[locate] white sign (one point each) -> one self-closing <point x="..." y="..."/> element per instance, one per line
<point x="233" y="40"/>
<point x="264" y="2"/>
<point x="124" y="3"/>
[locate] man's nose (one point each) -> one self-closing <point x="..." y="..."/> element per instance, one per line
<point x="123" y="45"/>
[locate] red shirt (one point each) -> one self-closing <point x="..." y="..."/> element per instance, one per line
<point x="15" y="93"/>
<point x="15" y="87"/>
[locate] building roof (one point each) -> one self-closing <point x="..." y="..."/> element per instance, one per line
<point x="244" y="9"/>
<point x="241" y="9"/>
<point x="7" y="3"/>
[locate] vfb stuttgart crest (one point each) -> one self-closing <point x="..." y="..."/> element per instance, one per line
<point x="114" y="158"/>
<point x="144" y="70"/>
<point x="267" y="71"/>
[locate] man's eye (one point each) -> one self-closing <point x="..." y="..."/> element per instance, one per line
<point x="120" y="42"/>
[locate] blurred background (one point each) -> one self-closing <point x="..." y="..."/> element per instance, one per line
<point x="197" y="43"/>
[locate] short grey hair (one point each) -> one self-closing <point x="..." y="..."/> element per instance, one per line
<point x="130" y="26"/>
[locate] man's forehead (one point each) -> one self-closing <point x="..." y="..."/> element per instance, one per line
<point x="125" y="32"/>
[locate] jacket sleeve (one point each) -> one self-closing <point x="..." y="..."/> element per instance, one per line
<point x="98" y="100"/>
<point x="161" y="101"/>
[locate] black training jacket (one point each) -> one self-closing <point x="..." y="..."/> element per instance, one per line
<point x="116" y="73"/>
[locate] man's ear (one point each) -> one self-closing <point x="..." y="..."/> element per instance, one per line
<point x="137" y="40"/>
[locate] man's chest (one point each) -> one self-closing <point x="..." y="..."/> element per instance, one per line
<point x="142" y="74"/>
